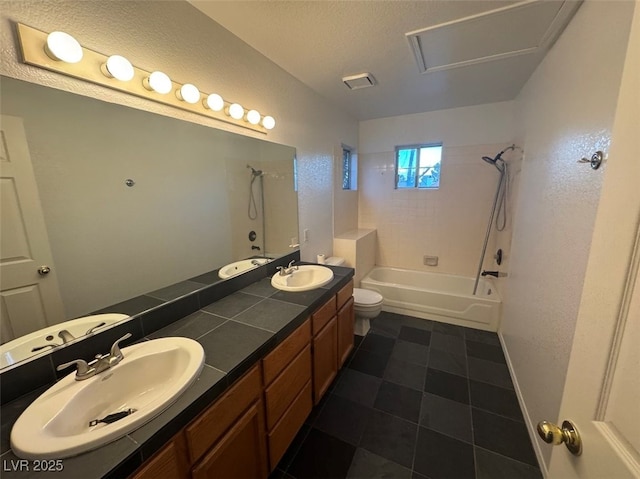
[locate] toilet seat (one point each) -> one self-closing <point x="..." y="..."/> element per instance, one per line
<point x="366" y="298"/>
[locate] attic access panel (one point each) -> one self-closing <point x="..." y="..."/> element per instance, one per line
<point x="519" y="29"/>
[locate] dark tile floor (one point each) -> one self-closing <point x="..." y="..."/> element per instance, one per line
<point x="417" y="399"/>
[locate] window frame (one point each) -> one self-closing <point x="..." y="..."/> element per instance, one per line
<point x="416" y="168"/>
<point x="348" y="163"/>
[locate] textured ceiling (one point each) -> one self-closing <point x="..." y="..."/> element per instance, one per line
<point x="319" y="42"/>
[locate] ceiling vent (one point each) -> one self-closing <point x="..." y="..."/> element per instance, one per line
<point x="362" y="80"/>
<point x="520" y="29"/>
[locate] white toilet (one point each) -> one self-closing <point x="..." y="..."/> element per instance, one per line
<point x="367" y="304"/>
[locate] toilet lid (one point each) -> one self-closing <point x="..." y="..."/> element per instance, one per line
<point x="366" y="297"/>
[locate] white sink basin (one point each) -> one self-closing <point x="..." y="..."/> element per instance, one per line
<point x="45" y="339"/>
<point x="305" y="278"/>
<point x="150" y="377"/>
<point x="233" y="269"/>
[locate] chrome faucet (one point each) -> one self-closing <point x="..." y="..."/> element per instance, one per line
<point x="99" y="325"/>
<point x="66" y="336"/>
<point x="101" y="363"/>
<point x="288" y="270"/>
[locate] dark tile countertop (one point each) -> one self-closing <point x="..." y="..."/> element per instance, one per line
<point x="235" y="332"/>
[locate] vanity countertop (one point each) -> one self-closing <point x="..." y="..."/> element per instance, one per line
<point x="235" y="332"/>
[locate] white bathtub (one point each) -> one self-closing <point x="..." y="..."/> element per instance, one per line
<point x="440" y="297"/>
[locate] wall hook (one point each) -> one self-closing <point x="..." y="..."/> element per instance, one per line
<point x="595" y="161"/>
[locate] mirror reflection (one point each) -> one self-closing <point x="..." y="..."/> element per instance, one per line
<point x="129" y="203"/>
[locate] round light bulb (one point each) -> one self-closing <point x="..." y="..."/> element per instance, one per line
<point x="253" y="117"/>
<point x="118" y="67"/>
<point x="214" y="102"/>
<point x="189" y="93"/>
<point x="63" y="47"/>
<point x="158" y="82"/>
<point x="268" y="122"/>
<point x="236" y="111"/>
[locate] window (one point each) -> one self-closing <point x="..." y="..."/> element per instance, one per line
<point x="349" y="169"/>
<point x="418" y="166"/>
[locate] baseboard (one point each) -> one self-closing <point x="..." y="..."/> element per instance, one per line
<point x="531" y="426"/>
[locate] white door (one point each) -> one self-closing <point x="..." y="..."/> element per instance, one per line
<point x="30" y="298"/>
<point x="602" y="390"/>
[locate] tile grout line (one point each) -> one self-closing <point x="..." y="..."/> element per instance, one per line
<point x="473" y="436"/>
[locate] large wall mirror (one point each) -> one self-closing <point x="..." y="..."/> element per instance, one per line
<point x="133" y="203"/>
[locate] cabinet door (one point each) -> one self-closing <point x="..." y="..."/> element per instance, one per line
<point x="241" y="453"/>
<point x="325" y="359"/>
<point x="170" y="461"/>
<point x="345" y="332"/>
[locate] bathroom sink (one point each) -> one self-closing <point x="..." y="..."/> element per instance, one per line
<point x="46" y="339"/>
<point x="233" y="269"/>
<point x="150" y="377"/>
<point x="304" y="278"/>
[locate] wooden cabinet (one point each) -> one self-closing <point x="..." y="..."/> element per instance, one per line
<point x="171" y="461"/>
<point x="323" y="315"/>
<point x="288" y="397"/>
<point x="274" y="362"/>
<point x="346" y="318"/>
<point x="208" y="428"/>
<point x="245" y="433"/>
<point x="325" y="359"/>
<point x="286" y="429"/>
<point x="332" y="339"/>
<point x="282" y="392"/>
<point x="241" y="453"/>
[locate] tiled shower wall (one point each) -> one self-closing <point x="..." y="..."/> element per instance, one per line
<point x="449" y="222"/>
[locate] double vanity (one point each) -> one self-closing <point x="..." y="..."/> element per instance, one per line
<point x="270" y="354"/>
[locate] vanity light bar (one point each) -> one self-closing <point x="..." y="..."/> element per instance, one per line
<point x="61" y="53"/>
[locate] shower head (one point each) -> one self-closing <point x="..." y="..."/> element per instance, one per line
<point x="255" y="173"/>
<point x="497" y="161"/>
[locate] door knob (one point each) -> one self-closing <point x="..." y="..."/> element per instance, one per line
<point x="44" y="270"/>
<point x="567" y="434"/>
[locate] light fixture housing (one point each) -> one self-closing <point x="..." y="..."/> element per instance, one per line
<point x="158" y="82"/>
<point x="55" y="51"/>
<point x="214" y="102"/>
<point x="61" y="46"/>
<point x="236" y="111"/>
<point x="118" y="67"/>
<point x="188" y="93"/>
<point x="268" y="122"/>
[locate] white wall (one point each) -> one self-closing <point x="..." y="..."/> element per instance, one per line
<point x="177" y="38"/>
<point x="345" y="202"/>
<point x="565" y="112"/>
<point x="449" y="222"/>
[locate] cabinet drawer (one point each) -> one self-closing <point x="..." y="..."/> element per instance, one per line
<point x="207" y="429"/>
<point x="344" y="294"/>
<point x="286" y="387"/>
<point x="280" y="357"/>
<point x="287" y="428"/>
<point x="323" y="315"/>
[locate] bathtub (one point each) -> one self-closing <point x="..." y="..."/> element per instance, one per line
<point x="436" y="296"/>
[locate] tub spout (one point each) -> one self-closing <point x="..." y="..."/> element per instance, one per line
<point x="490" y="273"/>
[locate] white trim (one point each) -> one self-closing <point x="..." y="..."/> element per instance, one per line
<point x="531" y="428"/>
